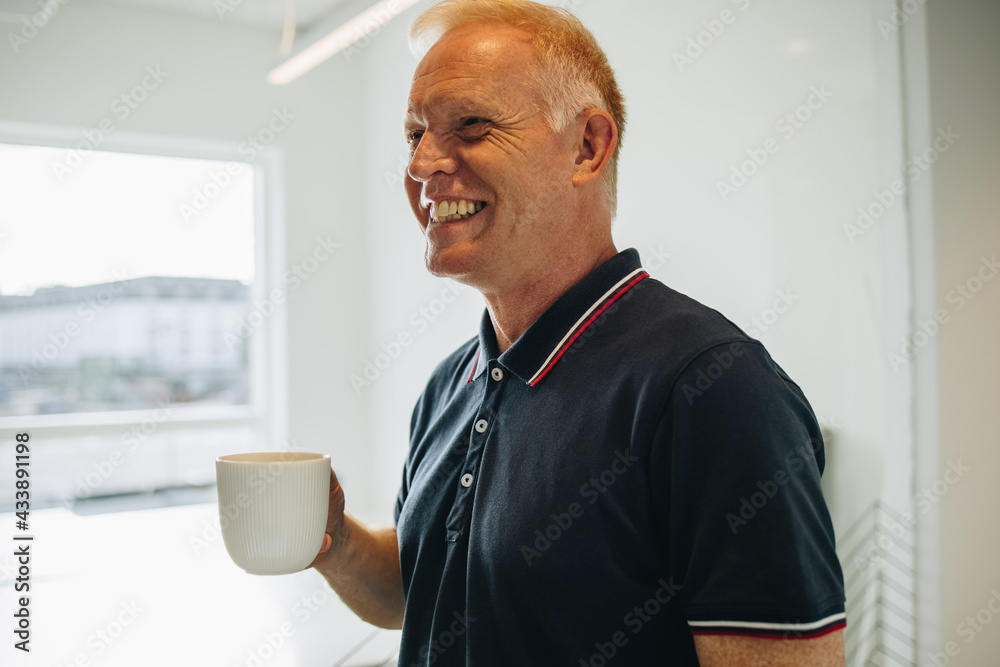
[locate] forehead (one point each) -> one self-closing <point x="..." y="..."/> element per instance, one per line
<point x="472" y="66"/>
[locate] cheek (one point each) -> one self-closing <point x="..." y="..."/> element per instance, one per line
<point x="413" y="194"/>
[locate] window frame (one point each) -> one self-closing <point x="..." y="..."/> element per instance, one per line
<point x="267" y="412"/>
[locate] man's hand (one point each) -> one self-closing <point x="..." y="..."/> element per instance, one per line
<point x="723" y="651"/>
<point x="361" y="563"/>
<point x="334" y="519"/>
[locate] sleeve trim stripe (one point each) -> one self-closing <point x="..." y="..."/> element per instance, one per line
<point x="754" y="626"/>
<point x="771" y="634"/>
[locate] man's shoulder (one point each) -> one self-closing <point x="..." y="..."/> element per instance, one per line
<point x="669" y="324"/>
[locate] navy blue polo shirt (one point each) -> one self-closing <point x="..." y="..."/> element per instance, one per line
<point x="632" y="471"/>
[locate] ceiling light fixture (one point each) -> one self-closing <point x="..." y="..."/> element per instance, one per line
<point x="372" y="19"/>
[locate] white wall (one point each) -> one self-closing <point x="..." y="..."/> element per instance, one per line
<point x="782" y="231"/>
<point x="688" y="127"/>
<point x="90" y="53"/>
<point x="964" y="93"/>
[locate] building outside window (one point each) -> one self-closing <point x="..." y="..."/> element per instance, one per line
<point x="119" y="324"/>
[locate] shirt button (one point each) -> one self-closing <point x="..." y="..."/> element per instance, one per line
<point x="497" y="374"/>
<point x="481" y="425"/>
<point x="467" y="480"/>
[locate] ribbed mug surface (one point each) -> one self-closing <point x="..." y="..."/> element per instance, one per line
<point x="273" y="508"/>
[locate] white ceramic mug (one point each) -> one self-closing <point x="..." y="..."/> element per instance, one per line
<point x="273" y="508"/>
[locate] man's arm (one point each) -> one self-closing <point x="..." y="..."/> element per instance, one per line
<point x="361" y="564"/>
<point x="723" y="651"/>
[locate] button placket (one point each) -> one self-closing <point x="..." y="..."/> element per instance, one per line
<point x="478" y="437"/>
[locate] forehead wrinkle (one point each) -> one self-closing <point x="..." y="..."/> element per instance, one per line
<point x="445" y="97"/>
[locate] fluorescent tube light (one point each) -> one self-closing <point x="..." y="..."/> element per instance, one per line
<point x="378" y="14"/>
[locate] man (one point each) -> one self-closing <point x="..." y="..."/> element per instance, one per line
<point x="576" y="491"/>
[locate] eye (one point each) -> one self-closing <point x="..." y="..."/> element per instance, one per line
<point x="412" y="139"/>
<point x="474" y="123"/>
<point x="473" y="128"/>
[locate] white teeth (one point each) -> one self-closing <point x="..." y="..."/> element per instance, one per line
<point x="447" y="211"/>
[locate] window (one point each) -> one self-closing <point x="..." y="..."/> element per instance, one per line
<point x="124" y="278"/>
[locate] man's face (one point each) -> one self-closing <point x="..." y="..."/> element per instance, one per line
<point x="477" y="134"/>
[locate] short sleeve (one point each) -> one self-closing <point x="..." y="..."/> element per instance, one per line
<point x="400" y="499"/>
<point x="404" y="486"/>
<point x="735" y="467"/>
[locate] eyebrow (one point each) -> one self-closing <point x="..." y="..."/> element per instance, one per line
<point x="454" y="104"/>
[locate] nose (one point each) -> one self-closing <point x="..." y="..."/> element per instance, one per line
<point x="430" y="157"/>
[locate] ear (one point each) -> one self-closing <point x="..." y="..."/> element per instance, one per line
<point x="595" y="144"/>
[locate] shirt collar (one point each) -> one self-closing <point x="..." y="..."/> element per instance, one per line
<point x="538" y="350"/>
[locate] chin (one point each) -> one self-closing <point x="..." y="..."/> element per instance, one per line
<point x="451" y="263"/>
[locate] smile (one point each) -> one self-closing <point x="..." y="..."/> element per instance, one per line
<point x="449" y="211"/>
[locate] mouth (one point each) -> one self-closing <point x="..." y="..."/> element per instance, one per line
<point x="452" y="211"/>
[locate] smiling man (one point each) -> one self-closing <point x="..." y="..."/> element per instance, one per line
<point x="610" y="472"/>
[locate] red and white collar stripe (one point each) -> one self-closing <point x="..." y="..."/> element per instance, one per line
<point x="592" y="313"/>
<point x="623" y="285"/>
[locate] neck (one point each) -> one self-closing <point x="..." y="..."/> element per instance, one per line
<point x="516" y="309"/>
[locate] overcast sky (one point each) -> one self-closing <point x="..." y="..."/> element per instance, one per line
<point x="118" y="212"/>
